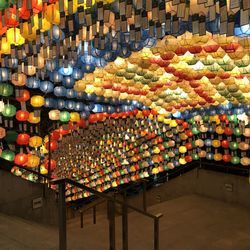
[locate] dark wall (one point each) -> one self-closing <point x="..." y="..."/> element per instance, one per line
<point x="16" y="198"/>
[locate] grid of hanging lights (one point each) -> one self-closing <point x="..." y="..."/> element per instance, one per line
<point x="181" y="66"/>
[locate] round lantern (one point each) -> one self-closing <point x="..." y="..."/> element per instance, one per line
<point x="33" y="119"/>
<point x="33" y="83"/>
<point x="37" y="101"/>
<point x="2" y="133"/>
<point x="74" y="117"/>
<point x="46" y="86"/>
<point x="52" y="164"/>
<point x="23" y="139"/>
<point x="8" y="155"/>
<point x="235" y="160"/>
<point x="9" y="110"/>
<point x="53" y="145"/>
<point x="64" y="116"/>
<point x="6" y="89"/>
<point x="35" y="141"/>
<point x="226" y="157"/>
<point x="55" y="135"/>
<point x="18" y="79"/>
<point x="21" y="159"/>
<point x="33" y="161"/>
<point x="22" y="116"/>
<point x="24" y="96"/>
<point x="245" y="161"/>
<point x="54" y="115"/>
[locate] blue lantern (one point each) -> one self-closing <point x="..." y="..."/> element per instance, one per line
<point x="56" y="77"/>
<point x="79" y="106"/>
<point x="59" y="91"/>
<point x="70" y="105"/>
<point x="68" y="82"/>
<point x="66" y="71"/>
<point x="46" y="86"/>
<point x="77" y="74"/>
<point x="61" y="103"/>
<point x="71" y="93"/>
<point x="33" y="83"/>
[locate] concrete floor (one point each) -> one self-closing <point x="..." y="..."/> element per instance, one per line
<point x="189" y="223"/>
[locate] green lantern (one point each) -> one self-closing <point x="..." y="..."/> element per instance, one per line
<point x="237" y="131"/>
<point x="3" y="4"/>
<point x="205" y="118"/>
<point x="195" y="130"/>
<point x="165" y="157"/>
<point x="8" y="155"/>
<point x="64" y="116"/>
<point x="6" y="89"/>
<point x="195" y="156"/>
<point x="11" y="136"/>
<point x="233" y="145"/>
<point x="232" y="118"/>
<point x="235" y="160"/>
<point x="9" y="110"/>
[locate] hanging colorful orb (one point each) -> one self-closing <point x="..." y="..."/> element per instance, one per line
<point x="8" y="155"/>
<point x="22" y="116"/>
<point x="64" y="116"/>
<point x="35" y="141"/>
<point x="37" y="101"/>
<point x="23" y="139"/>
<point x="33" y="161"/>
<point x="21" y="159"/>
<point x="9" y="110"/>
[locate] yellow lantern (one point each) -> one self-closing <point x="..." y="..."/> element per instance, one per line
<point x="35" y="141"/>
<point x="33" y="161"/>
<point x="37" y="101"/>
<point x="74" y="117"/>
<point x="217" y="157"/>
<point x="216" y="143"/>
<point x="33" y="119"/>
<point x="182" y="149"/>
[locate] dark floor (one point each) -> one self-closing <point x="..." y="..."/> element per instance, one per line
<point x="190" y="222"/>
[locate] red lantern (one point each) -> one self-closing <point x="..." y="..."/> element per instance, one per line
<point x="52" y="164"/>
<point x="185" y="125"/>
<point x="195" y="49"/>
<point x="37" y="6"/>
<point x="188" y="158"/>
<point x="92" y="118"/>
<point x="189" y="133"/>
<point x="63" y="131"/>
<point x="228" y="131"/>
<point x="53" y="145"/>
<point x="180" y="51"/>
<point x="55" y="135"/>
<point x="21" y="159"/>
<point x="24" y="96"/>
<point x="225" y="144"/>
<point x="22" y="116"/>
<point x="81" y="123"/>
<point x="23" y="139"/>
<point x="189" y="145"/>
<point x="167" y="55"/>
<point x="226" y="157"/>
<point x="24" y="13"/>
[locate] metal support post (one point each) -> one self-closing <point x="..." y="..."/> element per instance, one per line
<point x="156" y="234"/>
<point x="62" y="217"/>
<point x="111" y="218"/>
<point x="125" y="223"/>
<point x="144" y="196"/>
<point x="81" y="218"/>
<point x="94" y="214"/>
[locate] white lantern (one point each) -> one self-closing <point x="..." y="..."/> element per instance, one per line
<point x="1" y="106"/>
<point x="54" y="115"/>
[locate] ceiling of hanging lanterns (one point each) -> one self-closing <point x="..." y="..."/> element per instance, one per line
<point x="74" y="62"/>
